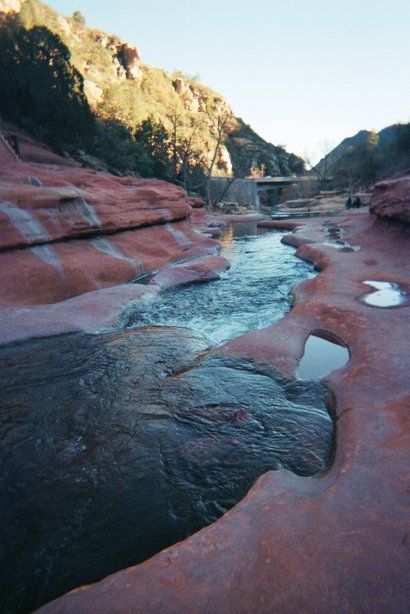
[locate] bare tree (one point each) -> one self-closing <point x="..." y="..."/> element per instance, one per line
<point x="183" y="153"/>
<point x="217" y="124"/>
<point x="324" y="167"/>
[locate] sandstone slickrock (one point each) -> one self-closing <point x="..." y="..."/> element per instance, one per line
<point x="129" y="444"/>
<point x="67" y="231"/>
<point x="391" y="199"/>
<point x="338" y="542"/>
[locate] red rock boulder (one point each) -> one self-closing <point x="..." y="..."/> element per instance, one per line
<point x="391" y="199"/>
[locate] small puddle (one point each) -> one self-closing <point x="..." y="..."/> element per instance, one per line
<point x="335" y="239"/>
<point x="321" y="357"/>
<point x="387" y="294"/>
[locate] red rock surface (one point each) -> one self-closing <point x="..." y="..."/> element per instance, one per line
<point x="391" y="199"/>
<point x="197" y="203"/>
<point x="32" y="150"/>
<point x="196" y="270"/>
<point x="333" y="543"/>
<point x="90" y="312"/>
<point x="67" y="231"/>
<point x="80" y="202"/>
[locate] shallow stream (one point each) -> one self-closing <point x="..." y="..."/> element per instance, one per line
<point x="120" y="444"/>
<point x="253" y="293"/>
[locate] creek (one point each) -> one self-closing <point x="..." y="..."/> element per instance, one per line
<point x="254" y="292"/>
<point x="120" y="444"/>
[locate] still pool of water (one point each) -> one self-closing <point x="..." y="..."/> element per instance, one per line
<point x="253" y="293"/>
<point x="387" y="294"/>
<point x="320" y="358"/>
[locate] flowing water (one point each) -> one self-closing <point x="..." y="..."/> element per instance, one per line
<point x="120" y="444"/>
<point x="253" y="293"/>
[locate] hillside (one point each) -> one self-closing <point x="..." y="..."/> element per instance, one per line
<point x="121" y="88"/>
<point x="368" y="156"/>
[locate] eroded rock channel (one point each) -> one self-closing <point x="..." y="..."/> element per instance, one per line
<point x="253" y="293"/>
<point x="119" y="444"/>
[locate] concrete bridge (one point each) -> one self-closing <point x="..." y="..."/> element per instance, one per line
<point x="246" y="192"/>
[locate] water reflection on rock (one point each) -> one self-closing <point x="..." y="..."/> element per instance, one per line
<point x="118" y="445"/>
<point x="321" y="356"/>
<point x="387" y="294"/>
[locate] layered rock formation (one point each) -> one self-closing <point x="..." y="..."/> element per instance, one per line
<point x="391" y="199"/>
<point x="337" y="542"/>
<point x="67" y="231"/>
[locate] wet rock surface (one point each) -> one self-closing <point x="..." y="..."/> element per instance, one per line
<point x="118" y="445"/>
<point x="335" y="542"/>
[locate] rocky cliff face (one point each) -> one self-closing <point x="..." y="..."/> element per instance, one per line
<point x="10" y="6"/>
<point x="119" y="85"/>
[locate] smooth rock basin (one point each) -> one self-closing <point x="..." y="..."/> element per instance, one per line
<point x="335" y="543"/>
<point x="387" y="294"/>
<point x="118" y="445"/>
<point x="321" y="357"/>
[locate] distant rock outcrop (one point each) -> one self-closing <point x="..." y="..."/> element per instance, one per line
<point x="10" y="6"/>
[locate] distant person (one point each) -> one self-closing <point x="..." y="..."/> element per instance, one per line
<point x="357" y="203"/>
<point x="348" y="203"/>
<point x="15" y="143"/>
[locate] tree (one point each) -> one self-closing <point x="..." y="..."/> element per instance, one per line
<point x="184" y="155"/>
<point x="216" y="124"/>
<point x="79" y="18"/>
<point x="154" y="139"/>
<point x="42" y="90"/>
<point x="116" y="147"/>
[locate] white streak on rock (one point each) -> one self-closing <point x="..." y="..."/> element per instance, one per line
<point x="106" y="247"/>
<point x="47" y="254"/>
<point x="179" y="236"/>
<point x="25" y="222"/>
<point x="89" y="213"/>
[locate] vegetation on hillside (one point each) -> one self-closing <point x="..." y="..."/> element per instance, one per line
<point x="41" y="89"/>
<point x="367" y="157"/>
<point x="145" y="120"/>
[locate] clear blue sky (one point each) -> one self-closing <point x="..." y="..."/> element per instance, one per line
<point x="304" y="73"/>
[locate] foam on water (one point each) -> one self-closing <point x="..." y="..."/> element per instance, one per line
<point x="253" y="293"/>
